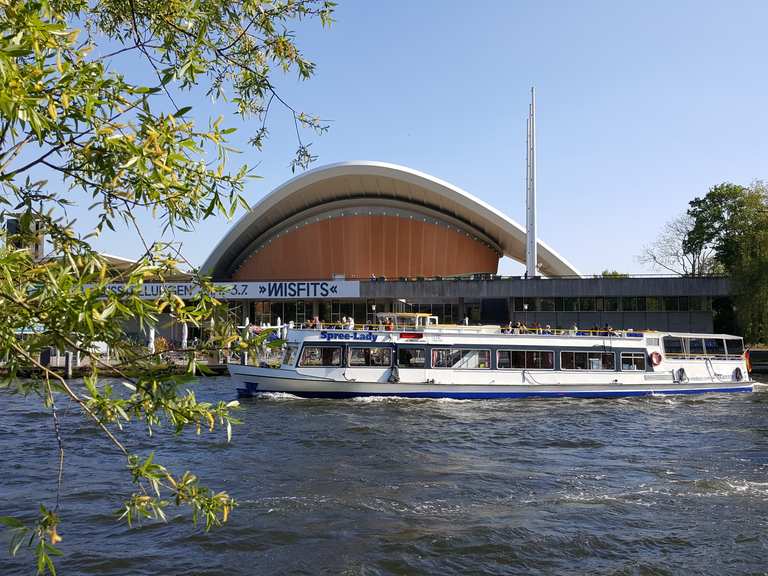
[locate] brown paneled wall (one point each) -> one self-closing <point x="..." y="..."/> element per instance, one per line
<point x="361" y="245"/>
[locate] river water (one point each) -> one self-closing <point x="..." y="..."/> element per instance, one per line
<point x="670" y="485"/>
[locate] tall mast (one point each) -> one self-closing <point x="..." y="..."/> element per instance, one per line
<point x="531" y="252"/>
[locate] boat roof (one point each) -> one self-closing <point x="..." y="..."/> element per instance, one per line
<point x="697" y="335"/>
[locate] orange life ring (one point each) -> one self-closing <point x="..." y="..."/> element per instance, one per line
<point x="749" y="360"/>
<point x="656" y="358"/>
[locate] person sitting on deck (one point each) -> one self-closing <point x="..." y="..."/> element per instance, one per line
<point x="389" y="325"/>
<point x="350" y="323"/>
<point x="547" y="329"/>
<point x="574" y="329"/>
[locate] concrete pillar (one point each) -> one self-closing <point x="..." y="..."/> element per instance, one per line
<point x="151" y="340"/>
<point x="68" y="364"/>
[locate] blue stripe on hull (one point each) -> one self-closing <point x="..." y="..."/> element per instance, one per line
<point x="490" y="395"/>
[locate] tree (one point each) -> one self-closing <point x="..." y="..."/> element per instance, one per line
<point x="613" y="274"/>
<point x="80" y="128"/>
<point x="733" y="219"/>
<point x="675" y="252"/>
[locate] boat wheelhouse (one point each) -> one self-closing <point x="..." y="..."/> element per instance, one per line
<point x="411" y="355"/>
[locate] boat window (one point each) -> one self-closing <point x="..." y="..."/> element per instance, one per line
<point x="510" y="359"/>
<point x="652" y="341"/>
<point x="734" y="346"/>
<point x="587" y="361"/>
<point x="460" y="358"/>
<point x="289" y="357"/>
<point x="535" y="359"/>
<point x="320" y="356"/>
<point x="633" y="361"/>
<point x="520" y="359"/>
<point x="695" y="346"/>
<point x="373" y="356"/>
<point x="715" y="346"/>
<point x="410" y="357"/>
<point x="673" y="345"/>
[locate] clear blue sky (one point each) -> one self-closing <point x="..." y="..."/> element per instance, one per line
<point x="641" y="107"/>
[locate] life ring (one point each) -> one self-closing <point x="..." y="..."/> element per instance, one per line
<point x="656" y="358"/>
<point x="749" y="361"/>
<point x="738" y="375"/>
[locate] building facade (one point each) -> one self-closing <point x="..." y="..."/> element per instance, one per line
<point x="384" y="238"/>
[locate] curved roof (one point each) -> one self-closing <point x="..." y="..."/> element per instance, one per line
<point x="381" y="181"/>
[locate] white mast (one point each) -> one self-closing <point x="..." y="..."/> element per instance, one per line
<point x="531" y="252"/>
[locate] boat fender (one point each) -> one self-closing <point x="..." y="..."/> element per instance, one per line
<point x="394" y="374"/>
<point x="656" y="358"/>
<point x="680" y="375"/>
<point x="738" y="375"/>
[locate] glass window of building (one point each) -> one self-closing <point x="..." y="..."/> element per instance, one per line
<point x="611" y="304"/>
<point x="633" y="361"/>
<point x="695" y="303"/>
<point x="547" y="304"/>
<point x="671" y="304"/>
<point x="586" y="304"/>
<point x="629" y="304"/>
<point x="652" y="303"/>
<point x="374" y="356"/>
<point x="411" y="357"/>
<point x="570" y="304"/>
<point x="599" y="304"/>
<point x="320" y="356"/>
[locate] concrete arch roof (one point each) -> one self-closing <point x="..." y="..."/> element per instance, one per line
<point x="380" y="181"/>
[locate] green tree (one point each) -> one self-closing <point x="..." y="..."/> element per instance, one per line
<point x="77" y="129"/>
<point x="613" y="274"/>
<point x="733" y="219"/>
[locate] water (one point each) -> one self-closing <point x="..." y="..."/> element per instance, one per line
<point x="643" y="486"/>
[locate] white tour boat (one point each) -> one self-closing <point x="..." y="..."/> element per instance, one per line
<point x="418" y="358"/>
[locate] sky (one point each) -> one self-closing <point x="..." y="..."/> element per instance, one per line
<point x="641" y="106"/>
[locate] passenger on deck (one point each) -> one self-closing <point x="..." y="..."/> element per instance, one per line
<point x="388" y="324"/>
<point x="343" y="323"/>
<point x="547" y="329"/>
<point x="574" y="329"/>
<point x="351" y="323"/>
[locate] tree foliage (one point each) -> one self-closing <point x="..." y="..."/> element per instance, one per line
<point x="733" y="219"/>
<point x="78" y="126"/>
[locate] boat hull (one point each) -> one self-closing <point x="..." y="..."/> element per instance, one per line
<point x="253" y="381"/>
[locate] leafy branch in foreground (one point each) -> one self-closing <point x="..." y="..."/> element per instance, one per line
<point x="82" y="130"/>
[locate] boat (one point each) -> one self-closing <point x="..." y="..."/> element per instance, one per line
<point x="413" y="356"/>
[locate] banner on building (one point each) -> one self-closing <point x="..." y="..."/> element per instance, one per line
<point x="289" y="290"/>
